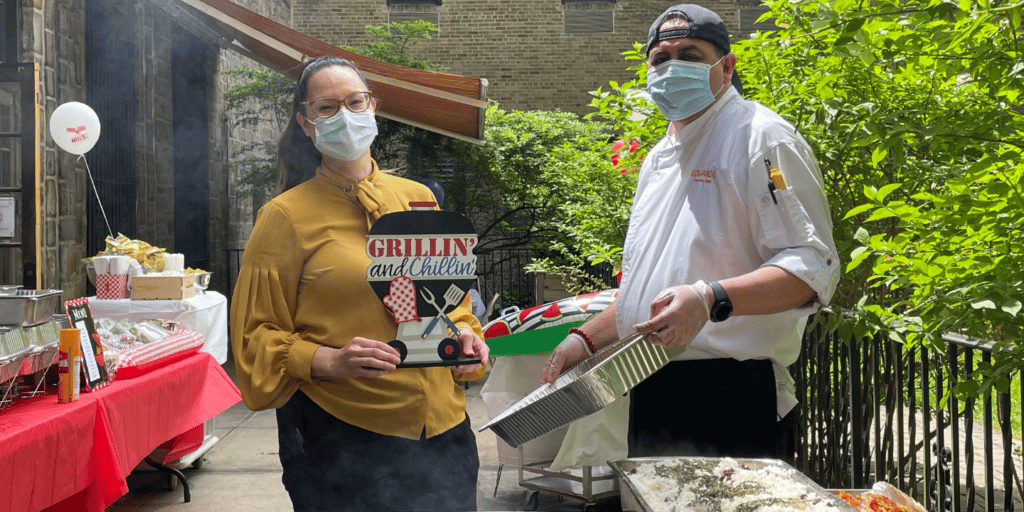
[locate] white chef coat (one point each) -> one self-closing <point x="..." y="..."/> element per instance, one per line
<point x="703" y="211"/>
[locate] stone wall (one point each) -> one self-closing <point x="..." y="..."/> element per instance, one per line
<point x="521" y="48"/>
<point x="55" y="40"/>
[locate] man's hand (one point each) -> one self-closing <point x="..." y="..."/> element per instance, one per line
<point x="570" y="351"/>
<point x="472" y="346"/>
<point x="677" y="315"/>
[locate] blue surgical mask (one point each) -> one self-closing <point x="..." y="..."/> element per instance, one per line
<point x="346" y="135"/>
<point x="681" y="89"/>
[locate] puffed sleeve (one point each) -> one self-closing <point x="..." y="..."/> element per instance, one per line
<point x="794" y="233"/>
<point x="462" y="316"/>
<point x="271" y="359"/>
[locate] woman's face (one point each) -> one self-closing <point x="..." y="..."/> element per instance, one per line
<point x="332" y="82"/>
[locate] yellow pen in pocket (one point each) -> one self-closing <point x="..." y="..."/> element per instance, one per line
<point x="775" y="175"/>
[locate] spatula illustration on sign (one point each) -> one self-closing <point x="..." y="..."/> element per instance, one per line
<point x="417" y="256"/>
<point x="452" y="297"/>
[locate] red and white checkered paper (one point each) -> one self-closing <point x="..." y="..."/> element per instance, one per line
<point x="401" y="299"/>
<point x="111" y="286"/>
<point x="177" y="345"/>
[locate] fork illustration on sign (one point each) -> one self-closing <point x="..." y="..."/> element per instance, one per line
<point x="452" y="297"/>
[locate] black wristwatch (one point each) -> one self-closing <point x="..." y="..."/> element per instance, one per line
<point x="722" y="308"/>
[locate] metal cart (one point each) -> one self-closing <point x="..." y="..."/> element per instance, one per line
<point x="591" y="484"/>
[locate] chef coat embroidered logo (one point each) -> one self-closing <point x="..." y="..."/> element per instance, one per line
<point x="703" y="176"/>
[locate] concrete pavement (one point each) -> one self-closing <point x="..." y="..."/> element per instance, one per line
<point x="242" y="471"/>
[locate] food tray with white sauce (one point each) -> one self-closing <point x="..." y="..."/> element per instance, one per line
<point x="19" y="307"/>
<point x="584" y="389"/>
<point x="718" y="484"/>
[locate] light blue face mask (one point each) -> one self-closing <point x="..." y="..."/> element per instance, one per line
<point x="345" y="135"/>
<point x="680" y="88"/>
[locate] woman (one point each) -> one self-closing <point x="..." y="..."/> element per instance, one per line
<point x="309" y="334"/>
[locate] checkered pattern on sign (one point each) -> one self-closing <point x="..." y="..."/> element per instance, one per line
<point x="401" y="299"/>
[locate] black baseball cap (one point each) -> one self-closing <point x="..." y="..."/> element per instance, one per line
<point x="704" y="24"/>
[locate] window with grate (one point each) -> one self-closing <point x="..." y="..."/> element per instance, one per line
<point x="400" y="11"/>
<point x="750" y="11"/>
<point x="588" y="16"/>
<point x="402" y="16"/>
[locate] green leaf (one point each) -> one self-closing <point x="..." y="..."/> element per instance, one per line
<point x="858" y="210"/>
<point x="879" y="214"/>
<point x="886" y="190"/>
<point x="1012" y="306"/>
<point x="983" y="304"/>
<point x="861" y="235"/>
<point x="857" y="257"/>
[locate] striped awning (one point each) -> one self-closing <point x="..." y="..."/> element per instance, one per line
<point x="445" y="103"/>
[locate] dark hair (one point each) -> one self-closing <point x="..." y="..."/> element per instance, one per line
<point x="297" y="157"/>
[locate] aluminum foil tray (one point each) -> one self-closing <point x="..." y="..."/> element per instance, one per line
<point x="583" y="390"/>
<point x="27" y="307"/>
<point x="633" y="498"/>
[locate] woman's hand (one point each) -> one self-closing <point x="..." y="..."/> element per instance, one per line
<point x="472" y="346"/>
<point x="570" y="351"/>
<point x="361" y="357"/>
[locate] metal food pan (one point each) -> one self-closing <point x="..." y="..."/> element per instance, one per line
<point x="585" y="389"/>
<point x="28" y="307"/>
<point x="634" y="501"/>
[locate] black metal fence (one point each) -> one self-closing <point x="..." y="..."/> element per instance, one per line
<point x="876" y="410"/>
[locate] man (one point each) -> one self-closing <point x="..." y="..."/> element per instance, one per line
<point x="710" y="239"/>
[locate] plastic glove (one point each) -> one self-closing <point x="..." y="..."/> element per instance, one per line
<point x="677" y="315"/>
<point x="570" y="351"/>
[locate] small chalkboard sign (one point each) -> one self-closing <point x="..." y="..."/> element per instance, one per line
<point x="94" y="367"/>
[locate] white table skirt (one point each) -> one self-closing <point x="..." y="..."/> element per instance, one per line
<point x="206" y="313"/>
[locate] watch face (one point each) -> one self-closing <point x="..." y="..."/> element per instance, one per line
<point x="721" y="311"/>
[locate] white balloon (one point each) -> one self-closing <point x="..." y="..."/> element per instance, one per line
<point x="75" y="127"/>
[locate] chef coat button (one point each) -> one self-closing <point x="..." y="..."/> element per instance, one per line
<point x="828" y="261"/>
<point x="764" y="199"/>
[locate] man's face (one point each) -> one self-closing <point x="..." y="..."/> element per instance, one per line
<point x="690" y="49"/>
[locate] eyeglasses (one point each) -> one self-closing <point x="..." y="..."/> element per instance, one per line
<point x="328" y="107"/>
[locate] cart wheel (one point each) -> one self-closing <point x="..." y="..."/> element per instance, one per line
<point x="402" y="349"/>
<point x="198" y="463"/>
<point x="530" y="500"/>
<point x="172" y="482"/>
<point x="448" y="349"/>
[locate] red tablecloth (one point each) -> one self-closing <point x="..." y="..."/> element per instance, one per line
<point x="77" y="456"/>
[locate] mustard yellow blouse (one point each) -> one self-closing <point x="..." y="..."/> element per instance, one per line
<point x="302" y="284"/>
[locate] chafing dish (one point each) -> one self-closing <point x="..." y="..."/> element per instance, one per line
<point x="28" y="307"/>
<point x="584" y="389"/>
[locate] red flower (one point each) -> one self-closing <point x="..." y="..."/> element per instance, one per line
<point x="617" y="152"/>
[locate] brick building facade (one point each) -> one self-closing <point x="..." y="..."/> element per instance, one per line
<point x="536" y="54"/>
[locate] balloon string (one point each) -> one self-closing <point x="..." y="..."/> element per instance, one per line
<point x="94" y="191"/>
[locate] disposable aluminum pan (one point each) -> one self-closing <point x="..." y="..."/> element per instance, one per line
<point x="583" y="390"/>
<point x="28" y="307"/>
<point x="45" y="342"/>
<point x="633" y="498"/>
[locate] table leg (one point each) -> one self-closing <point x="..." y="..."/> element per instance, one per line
<point x="181" y="476"/>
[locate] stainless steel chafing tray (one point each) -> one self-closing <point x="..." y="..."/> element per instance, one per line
<point x="584" y="389"/>
<point x="634" y="500"/>
<point x="27" y="307"/>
